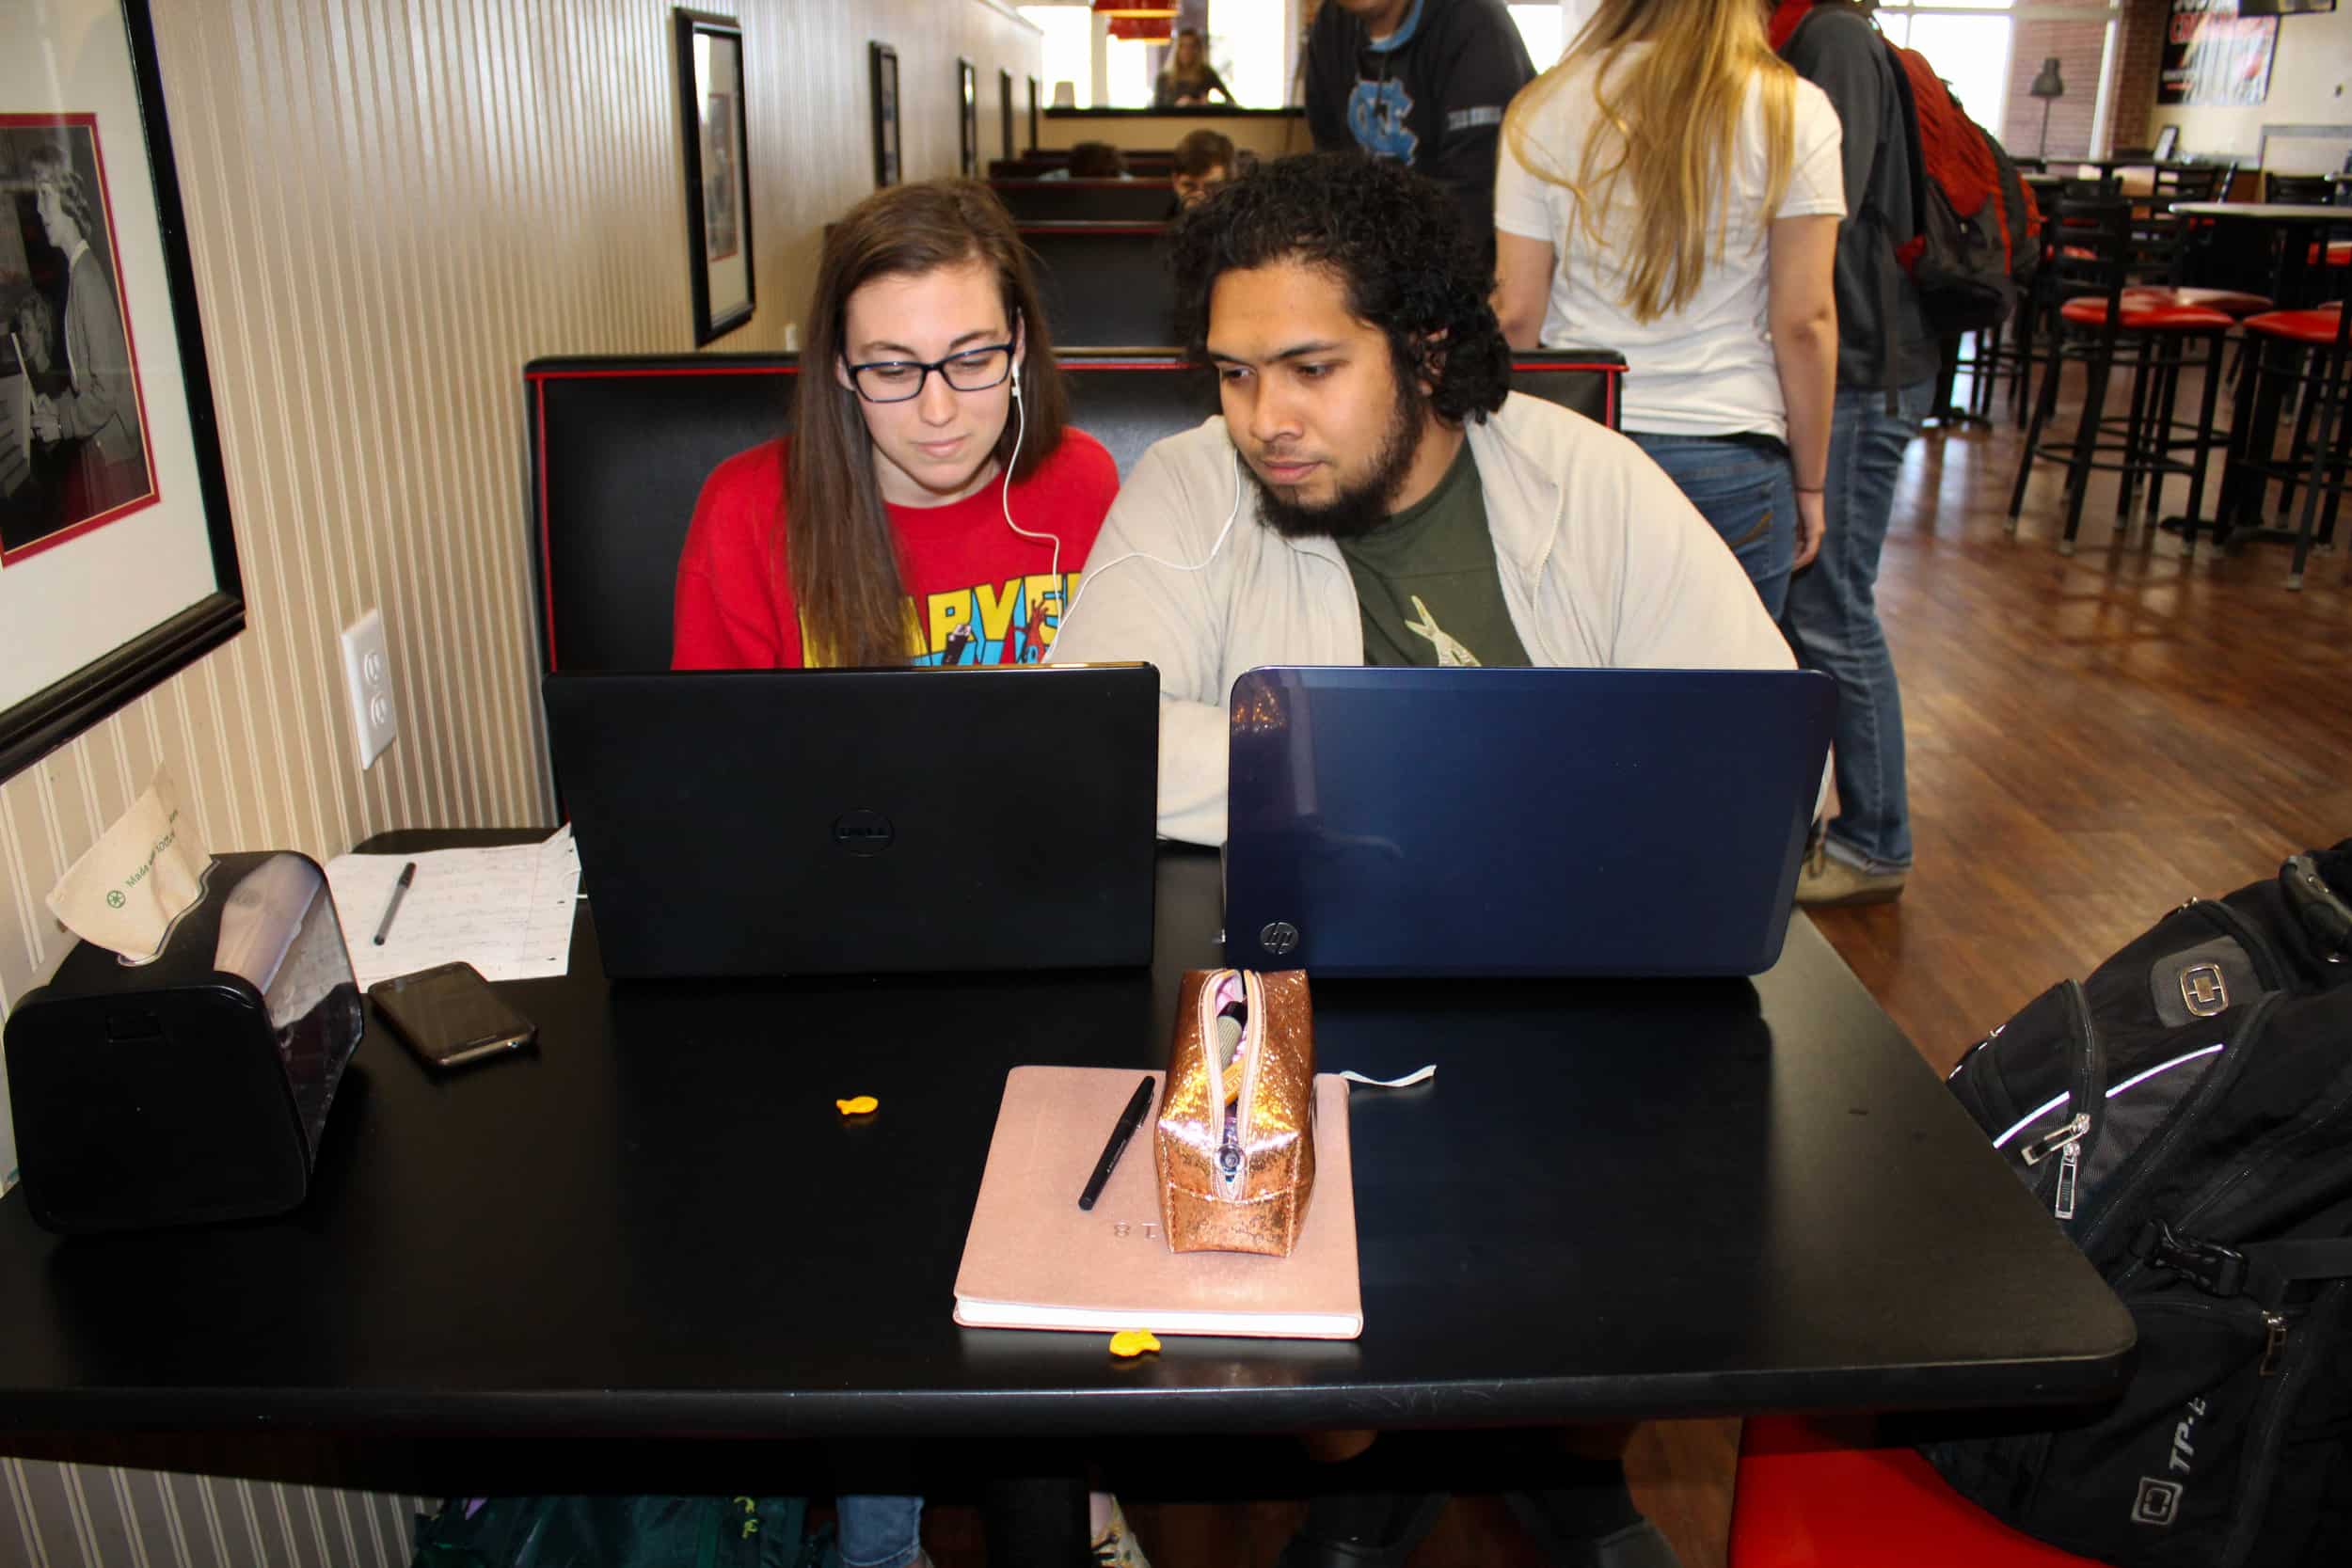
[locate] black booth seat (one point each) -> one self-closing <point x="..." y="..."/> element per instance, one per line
<point x="1037" y="161"/>
<point x="1106" y="200"/>
<point x="1104" y="284"/>
<point x="620" y="446"/>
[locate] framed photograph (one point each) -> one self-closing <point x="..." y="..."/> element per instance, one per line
<point x="118" y="557"/>
<point x="968" y="114"/>
<point x="1004" y="111"/>
<point x="884" y="62"/>
<point x="718" y="172"/>
<point x="1033" y="113"/>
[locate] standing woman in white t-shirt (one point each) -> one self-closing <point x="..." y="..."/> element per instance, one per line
<point x="1671" y="190"/>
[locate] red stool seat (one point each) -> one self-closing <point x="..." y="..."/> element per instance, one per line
<point x="2317" y="327"/>
<point x="2230" y="302"/>
<point x="2147" y="318"/>
<point x="1803" y="1501"/>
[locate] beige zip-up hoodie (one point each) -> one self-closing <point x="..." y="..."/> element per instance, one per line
<point x="1604" y="564"/>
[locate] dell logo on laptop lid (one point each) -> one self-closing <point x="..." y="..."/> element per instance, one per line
<point x="863" y="833"/>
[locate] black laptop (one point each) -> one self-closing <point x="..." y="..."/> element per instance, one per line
<point x="862" y="821"/>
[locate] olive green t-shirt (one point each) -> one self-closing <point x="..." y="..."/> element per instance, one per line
<point x="1427" y="582"/>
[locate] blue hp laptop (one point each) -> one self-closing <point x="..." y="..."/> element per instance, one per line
<point x="1564" y="822"/>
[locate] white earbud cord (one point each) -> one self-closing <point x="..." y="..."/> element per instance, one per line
<point x="1020" y="432"/>
<point x="1095" y="576"/>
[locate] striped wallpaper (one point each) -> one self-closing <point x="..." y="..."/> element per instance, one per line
<point x="392" y="204"/>
<point x="65" y="1516"/>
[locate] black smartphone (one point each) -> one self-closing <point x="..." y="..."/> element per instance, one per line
<point x="449" y="1015"/>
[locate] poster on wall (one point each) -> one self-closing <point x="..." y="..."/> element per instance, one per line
<point x="2211" y="55"/>
<point x="118" y="560"/>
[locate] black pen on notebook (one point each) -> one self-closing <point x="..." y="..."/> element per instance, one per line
<point x="1129" y="1119"/>
<point x="391" y="907"/>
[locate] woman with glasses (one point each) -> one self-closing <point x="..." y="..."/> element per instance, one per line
<point x="1672" y="190"/>
<point x="931" y="505"/>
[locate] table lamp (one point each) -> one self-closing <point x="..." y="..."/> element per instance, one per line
<point x="2048" y="86"/>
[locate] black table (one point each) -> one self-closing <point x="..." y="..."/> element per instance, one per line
<point x="1616" y="1201"/>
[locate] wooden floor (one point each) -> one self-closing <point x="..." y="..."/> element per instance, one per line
<point x="2091" y="741"/>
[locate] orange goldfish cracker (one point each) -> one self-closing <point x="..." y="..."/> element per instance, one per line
<point x="1130" y="1342"/>
<point x="864" y="1104"/>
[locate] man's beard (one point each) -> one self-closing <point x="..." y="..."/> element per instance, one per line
<point x="1357" y="509"/>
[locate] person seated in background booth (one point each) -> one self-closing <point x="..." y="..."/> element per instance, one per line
<point x="1672" y="190"/>
<point x="1189" y="79"/>
<point x="1093" y="160"/>
<point x="928" y="509"/>
<point x="1202" y="162"/>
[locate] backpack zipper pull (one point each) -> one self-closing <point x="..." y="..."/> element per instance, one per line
<point x="2065" y="1135"/>
<point x="2069" y="1166"/>
<point x="2274" y="1343"/>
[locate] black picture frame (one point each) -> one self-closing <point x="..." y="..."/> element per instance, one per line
<point x="1034" y="94"/>
<point x="968" y="114"/>
<point x="882" y="64"/>
<point x="1004" y="110"/>
<point x="715" y="129"/>
<point x="39" y="722"/>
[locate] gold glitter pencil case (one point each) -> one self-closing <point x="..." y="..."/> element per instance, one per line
<point x="1236" y="1144"/>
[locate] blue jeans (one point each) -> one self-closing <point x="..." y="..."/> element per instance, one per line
<point x="1832" y="620"/>
<point x="878" y="1530"/>
<point x="1746" y="492"/>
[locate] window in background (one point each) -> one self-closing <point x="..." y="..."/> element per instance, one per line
<point x="1970" y="53"/>
<point x="1247" y="46"/>
<point x="1130" y="72"/>
<point x="1542" y="28"/>
<point x="1069" y="49"/>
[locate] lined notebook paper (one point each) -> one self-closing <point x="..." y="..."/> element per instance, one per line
<point x="507" y="912"/>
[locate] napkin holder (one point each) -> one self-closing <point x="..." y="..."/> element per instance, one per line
<point x="192" y="1087"/>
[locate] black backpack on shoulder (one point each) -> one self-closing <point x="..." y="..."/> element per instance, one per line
<point x="2186" y="1114"/>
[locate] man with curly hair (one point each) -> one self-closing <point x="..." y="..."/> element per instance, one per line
<point x="1373" y="491"/>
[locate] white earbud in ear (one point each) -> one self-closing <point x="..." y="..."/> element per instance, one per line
<point x="1016" y="384"/>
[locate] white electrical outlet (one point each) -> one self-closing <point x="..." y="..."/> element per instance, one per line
<point x="791" y="336"/>
<point x="368" y="676"/>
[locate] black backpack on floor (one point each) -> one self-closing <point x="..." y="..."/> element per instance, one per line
<point x="2186" y="1116"/>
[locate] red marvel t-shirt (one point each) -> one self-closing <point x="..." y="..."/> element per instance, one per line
<point x="979" y="592"/>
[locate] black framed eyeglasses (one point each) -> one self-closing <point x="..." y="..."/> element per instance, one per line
<point x="972" y="369"/>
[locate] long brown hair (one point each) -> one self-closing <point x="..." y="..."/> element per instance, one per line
<point x="839" y="554"/>
<point x="1669" y="121"/>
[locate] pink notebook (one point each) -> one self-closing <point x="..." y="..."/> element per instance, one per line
<point x="1035" y="1260"/>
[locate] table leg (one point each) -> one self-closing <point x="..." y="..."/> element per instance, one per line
<point x="1038" y="1518"/>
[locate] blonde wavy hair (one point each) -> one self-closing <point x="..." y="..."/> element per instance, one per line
<point x="1669" y="118"/>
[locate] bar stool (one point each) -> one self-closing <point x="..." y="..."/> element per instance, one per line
<point x="2104" y="331"/>
<point x="1802" y="1499"/>
<point x="2310" y="351"/>
<point x="2009" y="351"/>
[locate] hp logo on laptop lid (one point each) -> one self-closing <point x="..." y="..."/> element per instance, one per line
<point x="1279" y="937"/>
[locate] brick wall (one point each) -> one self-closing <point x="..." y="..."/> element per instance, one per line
<point x="2138" y="56"/>
<point x="2078" y="46"/>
